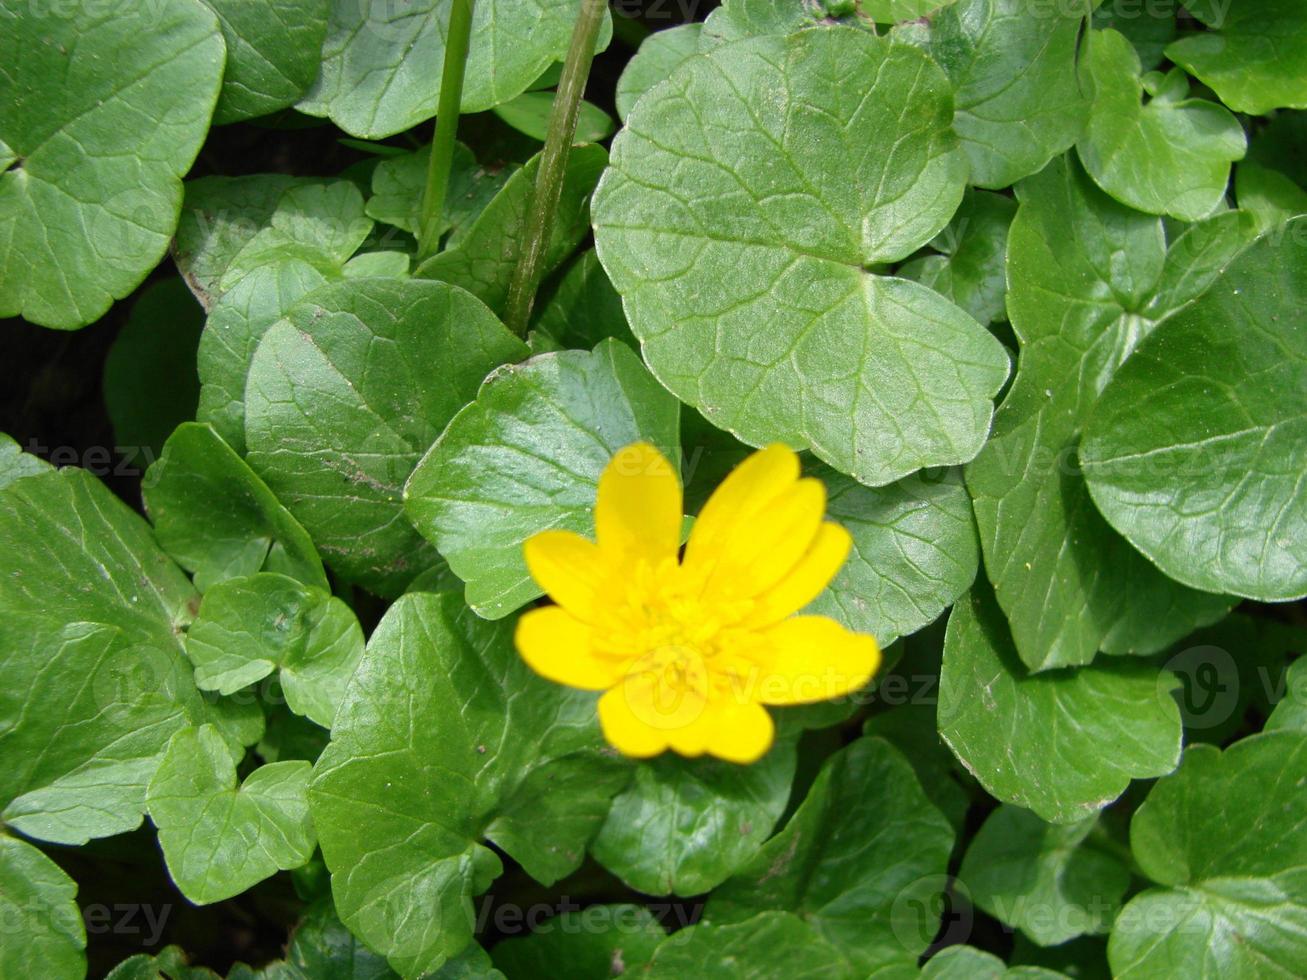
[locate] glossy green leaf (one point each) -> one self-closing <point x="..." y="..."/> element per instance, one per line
<point x="16" y="464"/>
<point x="1047" y="880"/>
<point x="170" y="964"/>
<point x="910" y="728"/>
<point x="446" y="737"/>
<point x="747" y="198"/>
<point x="249" y="627"/>
<point x="969" y="963"/>
<point x="660" y="54"/>
<point x="219" y="216"/>
<point x="482" y="257"/>
<point x="595" y="943"/>
<point x="894" y="11"/>
<point x="347" y="392"/>
<point x="529" y="114"/>
<point x="219" y="839"/>
<point x="1088" y="279"/>
<point x="1192" y="450"/>
<point x="526" y="457"/>
<point x="1017" y="732"/>
<point x="769" y="946"/>
<point x="398" y="184"/>
<point x="95" y="147"/>
<point x="970" y="265"/>
<point x="1225" y="839"/>
<point x="96" y="681"/>
<point x="737" y="20"/>
<point x="1170" y="155"/>
<point x="150" y="386"/>
<point x="914" y="551"/>
<point x="684" y="826"/>
<point x="1252" y="55"/>
<point x="1013" y="68"/>
<point x="870" y="896"/>
<point x="274" y="48"/>
<point x="381" y="63"/>
<point x="582" y="310"/>
<point x="44" y="933"/>
<point x="1271" y="196"/>
<point x="217" y="519"/>
<point x="1291" y="710"/>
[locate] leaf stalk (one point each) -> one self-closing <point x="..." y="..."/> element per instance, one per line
<point x="457" y="40"/>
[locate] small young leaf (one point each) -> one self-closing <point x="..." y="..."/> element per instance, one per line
<point x="1252" y="55"/>
<point x="219" y="839"/>
<point x="1170" y="156"/>
<point x="660" y="54"/>
<point x="249" y="627"/>
<point x="217" y="519"/>
<point x="399" y="183"/>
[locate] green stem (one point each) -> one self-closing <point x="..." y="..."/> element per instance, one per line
<point x="457" y="39"/>
<point x="553" y="165"/>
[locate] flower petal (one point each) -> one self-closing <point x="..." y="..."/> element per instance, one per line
<point x="626" y="728"/>
<point x="768" y="547"/>
<point x="741" y="733"/>
<point x="737" y="501"/>
<point x="570" y="568"/>
<point x="808" y="578"/>
<point x="557" y="646"/>
<point x="638" y="506"/>
<point x="814" y="658"/>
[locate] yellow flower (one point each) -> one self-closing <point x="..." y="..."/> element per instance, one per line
<point x="689" y="649"/>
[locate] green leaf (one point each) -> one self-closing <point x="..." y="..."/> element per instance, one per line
<point x="684" y="826"/>
<point x="249" y="627"/>
<point x="595" y="943"/>
<point x="736" y="20"/>
<point x="321" y="948"/>
<point x="1291" y="711"/>
<point x="914" y="552"/>
<point x="342" y="399"/>
<point x="660" y="54"/>
<point x="910" y="728"/>
<point x="769" y="946"/>
<point x="1252" y="56"/>
<point x="95" y="147"/>
<point x="16" y="464"/>
<point x="446" y="737"/>
<point x="526" y="457"/>
<point x="482" y="257"/>
<point x="44" y="933"/>
<point x="381" y="63"/>
<point x="969" y="963"/>
<point x="1271" y="196"/>
<point x="1169" y="156"/>
<point x="220" y="215"/>
<point x="1190" y="453"/>
<point x="582" y="310"/>
<point x="870" y="896"/>
<point x="1224" y="838"/>
<point x="1044" y="879"/>
<point x="1015" y="731"/>
<point x="970" y="268"/>
<point x="747" y="198"/>
<point x="170" y="964"/>
<point x="399" y="183"/>
<point x="149" y="383"/>
<point x="217" y="519"/>
<point x="529" y="113"/>
<point x="1013" y="68"/>
<point x="219" y="839"/>
<point x="1088" y="279"/>
<point x="274" y="49"/>
<point x="1149" y="27"/>
<point x="894" y="11"/>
